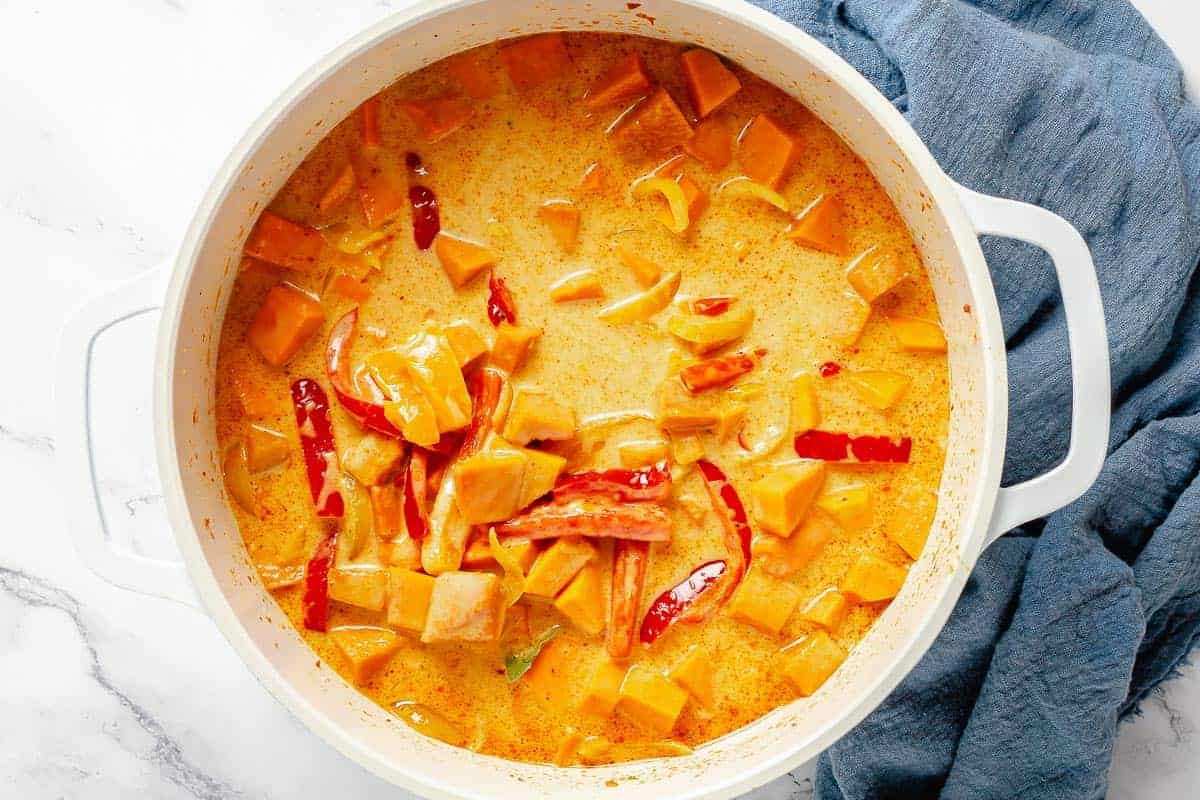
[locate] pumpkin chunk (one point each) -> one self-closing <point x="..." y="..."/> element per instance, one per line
<point x="535" y="416"/>
<point x="488" y="485"/>
<point x="465" y="607"/>
<point x="712" y="143"/>
<point x="766" y="152"/>
<point x="475" y="78"/>
<point x="512" y="344"/>
<point x="625" y="80"/>
<point x="709" y="82"/>
<point x="874" y="274"/>
<point x="642" y="452"/>
<point x="372" y="458"/>
<point x="265" y="448"/>
<point x="581" y="285"/>
<point x="582" y="601"/>
<point x="827" y="611"/>
<point x="438" y="117"/>
<point x="780" y="500"/>
<point x="654" y="127"/>
<point x="465" y="341"/>
<point x="851" y="507"/>
<point x="917" y="335"/>
<point x="562" y="217"/>
<point x="409" y="593"/>
<point x="650" y="700"/>
<point x="557" y="565"/>
<point x="805" y="414"/>
<point x="764" y="602"/>
<point x="808" y="663"/>
<point x="821" y="225"/>
<point x="695" y="673"/>
<point x="284" y="243"/>
<point x="338" y="192"/>
<point x="461" y="258"/>
<point x="878" y="388"/>
<point x="644" y="270"/>
<point x="379" y="193"/>
<point x="783" y="557"/>
<point x="603" y="689"/>
<point x="365" y="587"/>
<point x="871" y="579"/>
<point x="368" y="649"/>
<point x="536" y="59"/>
<point x="286" y="321"/>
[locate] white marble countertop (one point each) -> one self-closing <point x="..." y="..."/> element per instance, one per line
<point x="116" y="116"/>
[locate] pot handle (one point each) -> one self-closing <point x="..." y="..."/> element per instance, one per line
<point x="73" y="445"/>
<point x="1088" y="343"/>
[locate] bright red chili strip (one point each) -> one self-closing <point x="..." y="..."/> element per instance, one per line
<point x="426" y="220"/>
<point x="721" y="371"/>
<point x="712" y="306"/>
<point x="316" y="584"/>
<point x="829" y="369"/>
<point x="625" y="485"/>
<point x="671" y="604"/>
<point x="415" y="521"/>
<point x="486" y="385"/>
<point x="715" y="477"/>
<point x="829" y="446"/>
<point x="316" y="440"/>
<point x="337" y="365"/>
<point x="500" y="305"/>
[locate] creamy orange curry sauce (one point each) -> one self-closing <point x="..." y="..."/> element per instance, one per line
<point x="583" y="398"/>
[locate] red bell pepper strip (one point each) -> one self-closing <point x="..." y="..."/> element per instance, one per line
<point x="829" y="446"/>
<point x="427" y="222"/>
<point x="642" y="522"/>
<point x="712" y="306"/>
<point x="316" y="584"/>
<point x="501" y="307"/>
<point x="416" y="520"/>
<point x="337" y="365"/>
<point x="829" y="369"/>
<point x="628" y="583"/>
<point x="714" y="372"/>
<point x="625" y="485"/>
<point x="316" y="440"/>
<point x="671" y="604"/>
<point x="727" y="505"/>
<point x="486" y="386"/>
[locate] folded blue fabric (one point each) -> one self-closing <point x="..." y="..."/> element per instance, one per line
<point x="1077" y="106"/>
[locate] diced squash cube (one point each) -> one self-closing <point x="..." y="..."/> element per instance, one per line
<point x="763" y="601"/>
<point x="512" y="345"/>
<point x="465" y="607"/>
<point x="918" y="335"/>
<point x="712" y="143"/>
<point x="649" y="699"/>
<point x="350" y="287"/>
<point x="686" y="448"/>
<point x="265" y="448"/>
<point x="568" y="747"/>
<point x="780" y="500"/>
<point x="625" y="80"/>
<point x="644" y="270"/>
<point x="603" y="689"/>
<point x="286" y="321"/>
<point x="536" y="59"/>
<point x="409" y="593"/>
<point x="594" y="179"/>
<point x="870" y="579"/>
<point x="805" y="413"/>
<point x="472" y="75"/>
<point x="411" y="412"/>
<point x="256" y="400"/>
<point x="695" y="673"/>
<point x="642" y="452"/>
<point x="465" y="341"/>
<point x="878" y="388"/>
<point x="372" y="458"/>
<point x="581" y="285"/>
<point x="284" y="243"/>
<point x="380" y="191"/>
<point x="461" y="258"/>
<point x="553" y="671"/>
<point x="557" y="565"/>
<point x="479" y="554"/>
<point x="874" y="274"/>
<point x="365" y="587"/>
<point x="783" y="557"/>
<point x="337" y="192"/>
<point x="766" y="152"/>
<point x="562" y="218"/>
<point x="827" y="611"/>
<point x="535" y="416"/>
<point x="655" y="126"/>
<point x="808" y="663"/>
<point x="696" y="198"/>
<point x="488" y="485"/>
<point x="438" y="117"/>
<point x="851" y="507"/>
<point x="709" y="82"/>
<point x="541" y="473"/>
<point x="583" y="602"/>
<point x="368" y="649"/>
<point x="821" y="225"/>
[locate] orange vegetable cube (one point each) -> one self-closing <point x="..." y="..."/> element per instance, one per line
<point x="553" y="670"/>
<point x="350" y="287"/>
<point x="644" y="270"/>
<point x="852" y="319"/>
<point x="697" y="201"/>
<point x="782" y="557"/>
<point x="256" y="401"/>
<point x="488" y="485"/>
<point x="557" y="565"/>
<point x="512" y="345"/>
<point x="821" y="225"/>
<point x="878" y="388"/>
<point x="465" y="607"/>
<point x="438" y="117"/>
<point x="409" y="593"/>
<point x="265" y="448"/>
<point x="338" y="192"/>
<point x="851" y="507"/>
<point x="286" y="321"/>
<point x="365" y="587"/>
<point x="870" y="579"/>
<point x="583" y="602"/>
<point x="369" y="112"/>
<point x="827" y="611"/>
<point x="603" y="689"/>
<point x="625" y="80"/>
<point x="562" y="217"/>
<point x="695" y="673"/>
<point x="808" y="663"/>
<point x="709" y="82"/>
<point x="479" y="554"/>
<point x="687" y="449"/>
<point x="780" y="499"/>
<point x="284" y="243"/>
<point x="763" y="601"/>
<point x="594" y="178"/>
<point x="874" y="274"/>
<point x="475" y="78"/>
<point x="805" y="414"/>
<point x="541" y="473"/>
<point x="465" y="341"/>
<point x="581" y="285"/>
<point x="379" y="191"/>
<point x="918" y="335"/>
<point x="654" y="127"/>
<point x="712" y="143"/>
<point x="372" y="458"/>
<point x="535" y="416"/>
<point x="368" y="649"/>
<point x="649" y="699"/>
<point x="461" y="258"/>
<point x="536" y="59"/>
<point x="766" y="152"/>
<point x="642" y="452"/>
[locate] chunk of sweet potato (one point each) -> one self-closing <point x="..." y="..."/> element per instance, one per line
<point x="783" y="557"/>
<point x="917" y="335"/>
<point x="512" y="344"/>
<point x="287" y="319"/>
<point x="409" y="593"/>
<point x="695" y="673"/>
<point x="649" y="699"/>
<point x="821" y="225"/>
<point x="461" y="258"/>
<point x="712" y="142"/>
<point x="364" y="587"/>
<point x="465" y="341"/>
<point x="646" y="272"/>
<point x="438" y="117"/>
<point x="536" y="59"/>
<point x="562" y="218"/>
<point x="465" y="607"/>
<point x="642" y="452"/>
<point x="870" y="579"/>
<point x="808" y="663"/>
<point x="654" y="127"/>
<point x="805" y="413"/>
<point x="372" y="458"/>
<point x="766" y="152"/>
<point x="625" y="80"/>
<point x="709" y="82"/>
<point x="337" y="192"/>
<point x="379" y="187"/>
<point x="284" y="243"/>
<point x="879" y="389"/>
<point x="536" y="416"/>
<point x="473" y="75"/>
<point x="763" y="601"/>
<point x="583" y="602"/>
<point x="851" y="506"/>
<point x="488" y="485"/>
<point x="828" y="610"/>
<point x="557" y="565"/>
<point x="780" y="500"/>
<point x="603" y="689"/>
<point x="368" y="649"/>
<point x="874" y="274"/>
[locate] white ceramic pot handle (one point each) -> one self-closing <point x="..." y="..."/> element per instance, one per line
<point x="73" y="447"/>
<point x="1088" y="342"/>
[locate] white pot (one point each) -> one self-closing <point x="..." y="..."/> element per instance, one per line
<point x="945" y="220"/>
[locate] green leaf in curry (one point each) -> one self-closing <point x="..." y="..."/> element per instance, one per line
<point x="519" y="662"/>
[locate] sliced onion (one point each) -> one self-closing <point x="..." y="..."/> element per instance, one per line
<point x="744" y="187"/>
<point x="672" y="192"/>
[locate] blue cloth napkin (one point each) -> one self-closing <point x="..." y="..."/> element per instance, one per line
<point x="1077" y="106"/>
